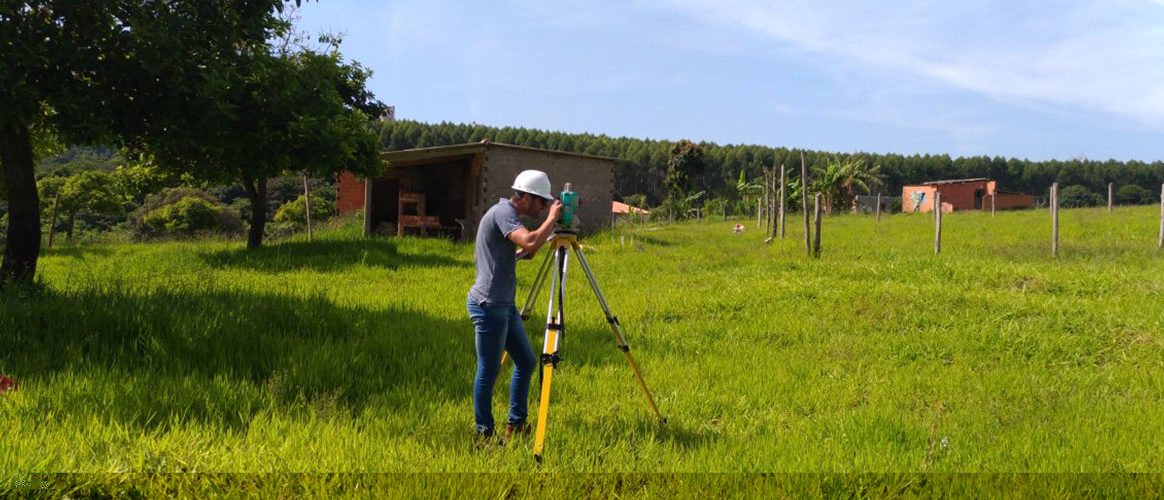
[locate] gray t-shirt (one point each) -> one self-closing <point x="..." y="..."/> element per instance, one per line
<point x="496" y="256"/>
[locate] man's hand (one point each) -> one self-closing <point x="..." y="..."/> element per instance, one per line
<point x="555" y="211"/>
<point x="529" y="242"/>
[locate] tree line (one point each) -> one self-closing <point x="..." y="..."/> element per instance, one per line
<point x="644" y="170"/>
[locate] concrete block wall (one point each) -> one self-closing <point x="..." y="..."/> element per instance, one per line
<point x="591" y="178"/>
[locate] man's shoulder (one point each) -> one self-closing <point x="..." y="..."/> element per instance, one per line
<point x="502" y="209"/>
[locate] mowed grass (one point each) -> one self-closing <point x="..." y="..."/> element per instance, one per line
<point x="353" y="355"/>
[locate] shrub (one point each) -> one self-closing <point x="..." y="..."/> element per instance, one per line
<point x="1075" y="196"/>
<point x="1132" y="194"/>
<point x="186" y="217"/>
<point x="294" y="212"/>
<point x="155" y="209"/>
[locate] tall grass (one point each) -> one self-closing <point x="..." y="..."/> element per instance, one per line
<point x="353" y="355"/>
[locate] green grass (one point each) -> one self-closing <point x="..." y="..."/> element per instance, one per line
<point x="349" y="355"/>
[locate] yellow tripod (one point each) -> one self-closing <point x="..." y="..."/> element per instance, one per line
<point x="557" y="258"/>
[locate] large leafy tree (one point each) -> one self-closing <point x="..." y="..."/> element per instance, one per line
<point x="105" y="71"/>
<point x="685" y="165"/>
<point x="306" y="111"/>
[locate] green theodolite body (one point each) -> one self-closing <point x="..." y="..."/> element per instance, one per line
<point x="569" y="206"/>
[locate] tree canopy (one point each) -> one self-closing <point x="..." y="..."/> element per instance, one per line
<point x="304" y="111"/>
<point x="104" y="72"/>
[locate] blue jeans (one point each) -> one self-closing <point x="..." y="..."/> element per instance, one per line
<point x="499" y="329"/>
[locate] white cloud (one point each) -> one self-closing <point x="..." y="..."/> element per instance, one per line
<point x="1106" y="56"/>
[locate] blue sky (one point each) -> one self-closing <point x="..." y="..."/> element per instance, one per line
<point x="1028" y="79"/>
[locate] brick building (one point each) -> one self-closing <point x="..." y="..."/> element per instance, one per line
<point x="961" y="194"/>
<point x="457" y="184"/>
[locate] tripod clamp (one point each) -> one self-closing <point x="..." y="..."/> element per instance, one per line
<point x="551" y="359"/>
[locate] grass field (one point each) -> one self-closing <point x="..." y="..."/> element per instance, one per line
<point x="349" y="355"/>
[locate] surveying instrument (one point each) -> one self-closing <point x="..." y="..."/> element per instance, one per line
<point x="554" y="266"/>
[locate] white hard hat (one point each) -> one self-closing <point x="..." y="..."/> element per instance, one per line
<point x="534" y="182"/>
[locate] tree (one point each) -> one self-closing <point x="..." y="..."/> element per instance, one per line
<point x="840" y="179"/>
<point x="685" y="167"/>
<point x="745" y="191"/>
<point x="105" y="71"/>
<point x="91" y="192"/>
<point x="306" y="111"/>
<point x="1131" y="194"/>
<point x="1075" y="196"/>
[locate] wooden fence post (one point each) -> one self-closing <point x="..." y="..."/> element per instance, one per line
<point x="804" y="203"/>
<point x="992" y="197"/>
<point x="1110" y="192"/>
<point x="781" y="222"/>
<point x="771" y="224"/>
<point x="1160" y="243"/>
<point x="879" y="207"/>
<point x="1054" y="219"/>
<point x="817" y="217"/>
<point x="307" y="202"/>
<point x="938" y="224"/>
<point x="767" y="195"/>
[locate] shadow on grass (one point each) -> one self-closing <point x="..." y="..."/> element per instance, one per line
<point x="222" y="356"/>
<point x="324" y="256"/>
<point x="639" y="421"/>
<point x="76" y="251"/>
<point x="640" y="237"/>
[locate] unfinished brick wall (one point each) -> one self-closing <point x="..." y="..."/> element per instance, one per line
<point x="349" y="193"/>
<point x="1011" y="200"/>
<point x="907" y="200"/>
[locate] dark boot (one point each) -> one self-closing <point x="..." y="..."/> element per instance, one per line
<point x="486" y="440"/>
<point x="512" y="430"/>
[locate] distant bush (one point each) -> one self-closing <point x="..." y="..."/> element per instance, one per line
<point x="183" y="211"/>
<point x="295" y="212"/>
<point x="1131" y="194"/>
<point x="1075" y="196"/>
<point x="186" y="217"/>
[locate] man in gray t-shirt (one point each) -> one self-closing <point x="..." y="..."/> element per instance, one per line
<point x="501" y="239"/>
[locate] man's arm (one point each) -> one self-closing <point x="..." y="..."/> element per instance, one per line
<point x="530" y="241"/>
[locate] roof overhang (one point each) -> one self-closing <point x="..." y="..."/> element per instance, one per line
<point x="420" y="156"/>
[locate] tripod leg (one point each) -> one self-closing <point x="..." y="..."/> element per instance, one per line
<point x="614" y="327"/>
<point x="536" y="286"/>
<point x="548" y="362"/>
<point x="550" y="349"/>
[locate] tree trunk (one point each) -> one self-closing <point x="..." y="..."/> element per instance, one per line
<point x="23" y="247"/>
<point x="256" y="189"/>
